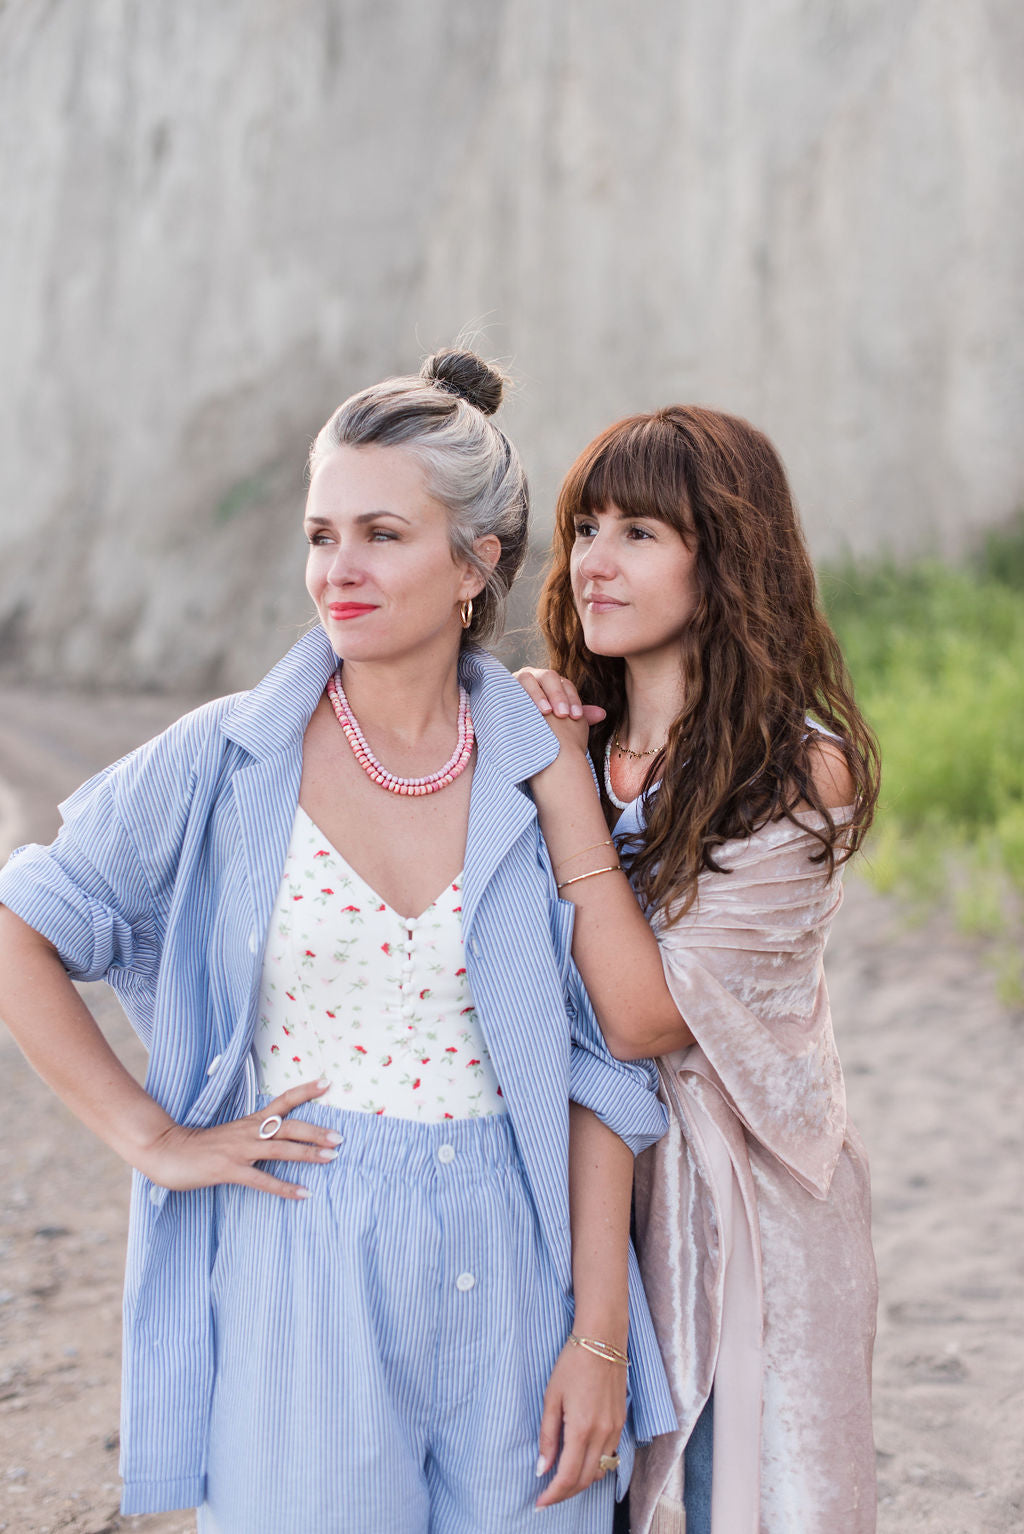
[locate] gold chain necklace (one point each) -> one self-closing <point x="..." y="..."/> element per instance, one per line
<point x="636" y="755"/>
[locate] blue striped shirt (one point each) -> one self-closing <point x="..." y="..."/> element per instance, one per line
<point x="162" y="881"/>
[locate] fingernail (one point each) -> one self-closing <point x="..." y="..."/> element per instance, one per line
<point x="542" y="1465"/>
<point x="545" y="707"/>
<point x="301" y="1192"/>
<point x="561" y="710"/>
<point x="577" y="712"/>
<point x="323" y="1084"/>
<point x="326" y="1155"/>
<point x="332" y="1137"/>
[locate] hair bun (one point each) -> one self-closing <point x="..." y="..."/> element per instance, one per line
<point x="467" y="375"/>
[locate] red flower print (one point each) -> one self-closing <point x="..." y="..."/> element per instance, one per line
<point x="296" y="897"/>
<point x="499" y="1091"/>
<point x="310" y="954"/>
<point x="351" y="908"/>
<point x="382" y="907"/>
<point x="465" y="1010"/>
<point x="455" y="888"/>
<point x="456" y="908"/>
<point x="449" y="1115"/>
<point x="327" y="892"/>
<point x="289" y="995"/>
<point x="416" y="1083"/>
<point x="425" y="994"/>
<point x="425" y="1060"/>
<point x="472" y="1062"/>
<point x="451" y="1050"/>
<point x="359" y="1049"/>
<point x="459" y="973"/>
<point x="296" y="1059"/>
<point x="329" y="1014"/>
<point x="386" y="948"/>
<point x="379" y="1112"/>
<point x="387" y="1061"/>
<point x="288" y="1031"/>
<point x="323" y="853"/>
<point x="275" y="1049"/>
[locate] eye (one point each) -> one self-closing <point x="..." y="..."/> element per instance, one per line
<point x="382" y="535"/>
<point x="585" y="529"/>
<point x="638" y="533"/>
<point x="318" y="538"/>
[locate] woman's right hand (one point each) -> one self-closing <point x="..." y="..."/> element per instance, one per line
<point x="555" y="694"/>
<point x="197" y="1158"/>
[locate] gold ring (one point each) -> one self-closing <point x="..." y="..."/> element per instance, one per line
<point x="609" y="1462"/>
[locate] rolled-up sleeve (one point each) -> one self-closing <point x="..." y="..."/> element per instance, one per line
<point x="86" y="893"/>
<point x="622" y="1093"/>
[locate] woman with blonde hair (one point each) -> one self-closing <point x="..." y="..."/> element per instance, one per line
<point x="737" y="777"/>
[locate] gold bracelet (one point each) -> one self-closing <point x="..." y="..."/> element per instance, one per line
<point x="606" y="843"/>
<point x="613" y="868"/>
<point x="605" y="1350"/>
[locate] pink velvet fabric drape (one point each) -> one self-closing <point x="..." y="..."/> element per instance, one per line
<point x="753" y="1212"/>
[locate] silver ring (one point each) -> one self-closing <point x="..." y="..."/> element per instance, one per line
<point x="268" y="1129"/>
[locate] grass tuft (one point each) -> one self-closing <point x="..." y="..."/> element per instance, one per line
<point x="937" y="657"/>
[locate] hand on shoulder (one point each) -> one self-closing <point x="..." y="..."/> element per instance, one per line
<point x="568" y="717"/>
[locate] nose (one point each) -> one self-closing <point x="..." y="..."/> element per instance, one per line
<point x="594" y="560"/>
<point x="343" y="569"/>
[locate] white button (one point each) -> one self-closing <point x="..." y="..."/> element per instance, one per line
<point x="154" y="1195"/>
<point x="213" y="1064"/>
<point x="253" y="945"/>
<point x="475" y="947"/>
<point x="408" y="1012"/>
<point x="446" y="1154"/>
<point x="465" y="1281"/>
<point x="411" y="923"/>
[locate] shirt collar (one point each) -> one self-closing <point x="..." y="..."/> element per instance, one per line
<point x="510" y="730"/>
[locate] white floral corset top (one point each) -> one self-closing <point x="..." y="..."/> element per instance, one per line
<point x="377" y="1003"/>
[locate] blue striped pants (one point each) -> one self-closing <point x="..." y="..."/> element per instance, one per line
<point x="382" y="1347"/>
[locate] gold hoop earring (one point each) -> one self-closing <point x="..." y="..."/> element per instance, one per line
<point x="466" y="612"/>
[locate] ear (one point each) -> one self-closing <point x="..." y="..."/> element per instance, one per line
<point x="488" y="551"/>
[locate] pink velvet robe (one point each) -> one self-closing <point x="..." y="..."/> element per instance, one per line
<point x="753" y="1212"/>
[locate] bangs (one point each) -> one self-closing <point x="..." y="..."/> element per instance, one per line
<point x="638" y="466"/>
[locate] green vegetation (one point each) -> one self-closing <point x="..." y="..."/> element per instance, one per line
<point x="937" y="656"/>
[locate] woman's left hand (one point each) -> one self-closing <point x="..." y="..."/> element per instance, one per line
<point x="560" y="703"/>
<point x="585" y="1409"/>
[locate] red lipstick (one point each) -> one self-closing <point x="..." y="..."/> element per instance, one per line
<point x="340" y="611"/>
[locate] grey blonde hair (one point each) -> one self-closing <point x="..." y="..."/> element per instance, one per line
<point x="442" y="417"/>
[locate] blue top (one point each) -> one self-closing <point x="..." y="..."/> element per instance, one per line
<point x="162" y="881"/>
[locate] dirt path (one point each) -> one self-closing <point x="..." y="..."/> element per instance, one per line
<point x="933" y="1073"/>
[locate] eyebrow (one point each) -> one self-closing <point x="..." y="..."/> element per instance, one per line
<point x="360" y="520"/>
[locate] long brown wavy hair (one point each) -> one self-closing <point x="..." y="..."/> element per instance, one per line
<point x="759" y="658"/>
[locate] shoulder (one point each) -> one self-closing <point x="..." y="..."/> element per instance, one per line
<point x="158" y="780"/>
<point x="831" y="775"/>
<point x="185" y="742"/>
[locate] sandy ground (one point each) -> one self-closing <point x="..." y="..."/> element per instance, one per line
<point x="932" y="1064"/>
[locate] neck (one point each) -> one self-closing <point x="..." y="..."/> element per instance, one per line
<point x="655" y="693"/>
<point x="407" y="697"/>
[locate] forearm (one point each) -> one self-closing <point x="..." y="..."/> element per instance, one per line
<point x="61" y="1041"/>
<point x="600" y="1190"/>
<point x="615" y="950"/>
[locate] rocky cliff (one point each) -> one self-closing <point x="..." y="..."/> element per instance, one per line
<point x="219" y="220"/>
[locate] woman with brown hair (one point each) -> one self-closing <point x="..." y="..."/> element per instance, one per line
<point x="738" y="777"/>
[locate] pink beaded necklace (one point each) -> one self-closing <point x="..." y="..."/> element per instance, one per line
<point x="455" y="764"/>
